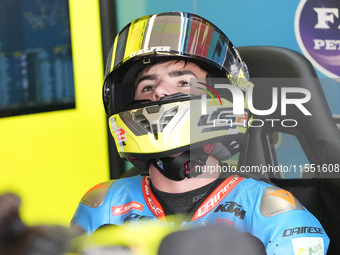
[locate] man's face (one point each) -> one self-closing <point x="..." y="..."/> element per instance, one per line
<point x="168" y="78"/>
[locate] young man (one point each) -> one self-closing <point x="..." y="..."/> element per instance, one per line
<point x="160" y="72"/>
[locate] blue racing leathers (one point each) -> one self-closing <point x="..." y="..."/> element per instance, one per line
<point x="271" y="214"/>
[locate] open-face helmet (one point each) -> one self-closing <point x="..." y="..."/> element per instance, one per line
<point x="194" y="126"/>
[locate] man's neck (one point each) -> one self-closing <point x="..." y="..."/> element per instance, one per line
<point x="164" y="184"/>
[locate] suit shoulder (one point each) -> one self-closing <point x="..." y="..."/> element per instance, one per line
<point x="95" y="196"/>
<point x="275" y="201"/>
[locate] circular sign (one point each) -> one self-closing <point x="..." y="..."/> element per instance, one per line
<point x="317" y="30"/>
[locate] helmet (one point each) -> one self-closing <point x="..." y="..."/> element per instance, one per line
<point x="145" y="131"/>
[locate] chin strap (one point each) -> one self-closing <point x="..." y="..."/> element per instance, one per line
<point x="188" y="164"/>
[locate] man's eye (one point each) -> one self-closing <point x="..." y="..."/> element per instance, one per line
<point x="148" y="88"/>
<point x="184" y="84"/>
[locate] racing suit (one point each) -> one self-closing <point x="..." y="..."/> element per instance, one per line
<point x="271" y="214"/>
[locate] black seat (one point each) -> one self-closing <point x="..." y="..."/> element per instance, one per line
<point x="317" y="134"/>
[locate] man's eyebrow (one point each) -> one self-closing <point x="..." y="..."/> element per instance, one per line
<point x="178" y="73"/>
<point x="151" y="77"/>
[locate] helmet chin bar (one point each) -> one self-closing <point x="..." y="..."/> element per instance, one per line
<point x="186" y="165"/>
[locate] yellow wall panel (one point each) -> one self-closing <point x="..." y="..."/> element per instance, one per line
<point x="51" y="159"/>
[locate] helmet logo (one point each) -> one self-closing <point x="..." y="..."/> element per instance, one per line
<point x="222" y="118"/>
<point x="120" y="134"/>
<point x="151" y="49"/>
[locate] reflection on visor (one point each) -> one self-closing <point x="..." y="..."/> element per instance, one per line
<point x="177" y="97"/>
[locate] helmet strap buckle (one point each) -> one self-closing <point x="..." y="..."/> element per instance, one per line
<point x="183" y="166"/>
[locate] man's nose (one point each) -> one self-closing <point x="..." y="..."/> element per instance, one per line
<point x="161" y="90"/>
